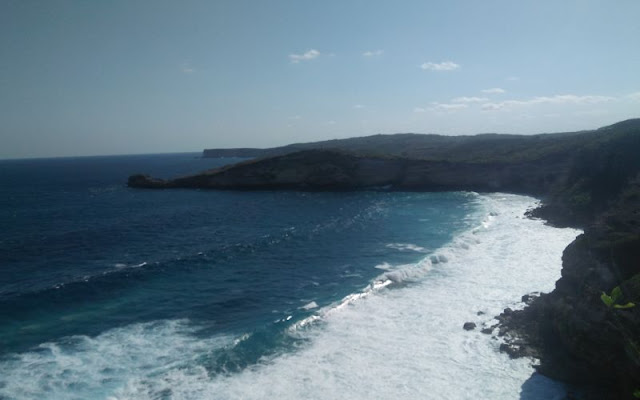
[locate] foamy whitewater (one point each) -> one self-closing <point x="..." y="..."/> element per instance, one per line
<point x="399" y="337"/>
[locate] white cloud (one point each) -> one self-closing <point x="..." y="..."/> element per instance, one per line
<point x="572" y="98"/>
<point x="558" y="100"/>
<point x="295" y="117"/>
<point x="494" y="91"/>
<point x="309" y="55"/>
<point x="443" y="66"/>
<point x="419" y="110"/>
<point x="469" y="99"/>
<point x="493" y="106"/>
<point x="634" y="96"/>
<point x="448" y="107"/>
<point x="186" y="68"/>
<point x="373" y="53"/>
<point x="332" y="122"/>
<point x="358" y="106"/>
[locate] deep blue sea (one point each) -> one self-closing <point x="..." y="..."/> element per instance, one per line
<point x="108" y="292"/>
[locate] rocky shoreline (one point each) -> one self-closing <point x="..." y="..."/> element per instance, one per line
<point x="575" y="334"/>
<point x="589" y="180"/>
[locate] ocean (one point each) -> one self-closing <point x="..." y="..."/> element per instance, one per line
<point x="108" y="292"/>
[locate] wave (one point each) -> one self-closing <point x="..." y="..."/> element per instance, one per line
<point x="374" y="343"/>
<point x="83" y="367"/>
<point x="407" y="247"/>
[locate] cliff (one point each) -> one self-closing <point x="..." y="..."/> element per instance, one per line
<point x="580" y="338"/>
<point x="586" y="179"/>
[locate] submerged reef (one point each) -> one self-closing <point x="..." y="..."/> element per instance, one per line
<point x="587" y="179"/>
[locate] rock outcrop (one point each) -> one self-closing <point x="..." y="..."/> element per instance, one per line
<point x="579" y="338"/>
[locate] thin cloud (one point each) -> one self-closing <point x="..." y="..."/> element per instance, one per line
<point x="419" y="110"/>
<point x="373" y="53"/>
<point x="465" y="99"/>
<point x="448" y="107"/>
<point x="186" y="68"/>
<point x="558" y="100"/>
<point x="634" y="96"/>
<point x="443" y="66"/>
<point x="358" y="106"/>
<point x="309" y="55"/>
<point x="512" y="78"/>
<point x="496" y="90"/>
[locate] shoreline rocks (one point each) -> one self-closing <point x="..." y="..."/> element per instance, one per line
<point x="469" y="326"/>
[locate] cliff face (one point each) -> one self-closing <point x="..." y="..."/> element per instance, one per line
<point x="579" y="338"/>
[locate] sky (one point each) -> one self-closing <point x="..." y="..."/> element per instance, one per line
<point x="84" y="78"/>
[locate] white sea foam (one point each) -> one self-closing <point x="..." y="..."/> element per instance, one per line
<point x="82" y="367"/>
<point x="309" y="306"/>
<point x="384" y="266"/>
<point x="409" y="343"/>
<point x="375" y="344"/>
<point x="407" y="247"/>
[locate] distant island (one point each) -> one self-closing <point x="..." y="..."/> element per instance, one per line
<point x="587" y="331"/>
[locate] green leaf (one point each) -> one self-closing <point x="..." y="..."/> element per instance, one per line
<point x="636" y="394"/>
<point x="628" y="305"/>
<point x="606" y="299"/>
<point x="616" y="294"/>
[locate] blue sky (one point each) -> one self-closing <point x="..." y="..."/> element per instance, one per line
<point x="126" y="77"/>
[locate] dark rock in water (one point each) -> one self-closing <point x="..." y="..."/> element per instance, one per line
<point x="487" y="331"/>
<point x="480" y="313"/>
<point x="518" y="349"/>
<point x="529" y="298"/>
<point x="469" y="326"/>
<point x="511" y="350"/>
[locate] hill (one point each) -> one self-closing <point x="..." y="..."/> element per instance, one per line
<point x="476" y="148"/>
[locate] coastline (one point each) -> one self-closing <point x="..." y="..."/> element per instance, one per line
<point x="588" y="180"/>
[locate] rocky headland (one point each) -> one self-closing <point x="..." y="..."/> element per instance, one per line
<point x="587" y="331"/>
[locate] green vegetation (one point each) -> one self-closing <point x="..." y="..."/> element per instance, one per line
<point x="482" y="149"/>
<point x="612" y="300"/>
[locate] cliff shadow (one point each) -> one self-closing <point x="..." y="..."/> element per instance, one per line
<point x="539" y="387"/>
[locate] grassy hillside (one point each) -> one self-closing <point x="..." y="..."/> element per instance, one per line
<point x="477" y="148"/>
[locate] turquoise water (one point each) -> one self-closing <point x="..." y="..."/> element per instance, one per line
<point x="111" y="292"/>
